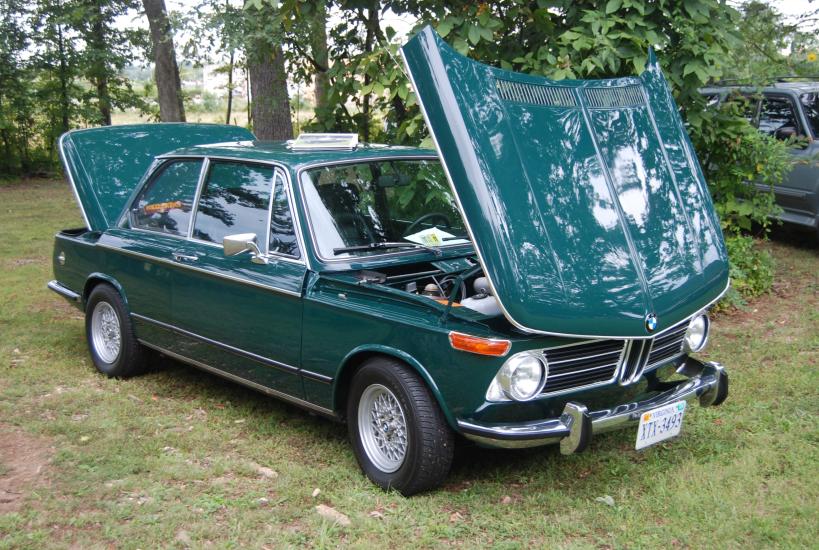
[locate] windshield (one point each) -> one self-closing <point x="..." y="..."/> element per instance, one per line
<point x="397" y="202"/>
<point x="811" y="106"/>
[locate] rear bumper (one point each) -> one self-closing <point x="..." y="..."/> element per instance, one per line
<point x="66" y="293"/>
<point x="707" y="383"/>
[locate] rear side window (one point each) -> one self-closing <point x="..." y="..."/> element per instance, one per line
<point x="166" y="202"/>
<point x="282" y="233"/>
<point x="778" y="117"/>
<point x="235" y="199"/>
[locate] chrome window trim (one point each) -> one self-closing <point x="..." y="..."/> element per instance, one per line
<point x="181" y="265"/>
<point x="363" y="160"/>
<point x="243" y="381"/>
<point x="198" y="195"/>
<point x="71" y="181"/>
<point x="483" y="263"/>
<point x="304" y="260"/>
<point x="288" y="195"/>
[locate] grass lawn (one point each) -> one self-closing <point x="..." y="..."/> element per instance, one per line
<point x="182" y="458"/>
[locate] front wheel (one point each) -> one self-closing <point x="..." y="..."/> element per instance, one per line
<point x="114" y="348"/>
<point x="397" y="429"/>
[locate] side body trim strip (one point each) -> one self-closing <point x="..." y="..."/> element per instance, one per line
<point x="242" y="353"/>
<point x="264" y="389"/>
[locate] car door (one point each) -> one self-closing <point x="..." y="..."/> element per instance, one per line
<point x="780" y="118"/>
<point x="146" y="247"/>
<point x="237" y="314"/>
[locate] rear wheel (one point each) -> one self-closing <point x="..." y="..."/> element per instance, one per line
<point x="114" y="348"/>
<point x="397" y="429"/>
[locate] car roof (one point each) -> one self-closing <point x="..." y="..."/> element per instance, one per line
<point x="799" y="87"/>
<point x="283" y="153"/>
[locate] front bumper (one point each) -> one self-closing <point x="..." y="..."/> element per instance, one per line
<point x="707" y="383"/>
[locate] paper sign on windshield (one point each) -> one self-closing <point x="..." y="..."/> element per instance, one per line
<point x="434" y="237"/>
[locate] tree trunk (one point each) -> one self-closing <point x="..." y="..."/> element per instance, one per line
<point x="248" y="97"/>
<point x="230" y="87"/>
<point x="99" y="71"/>
<point x="318" y="46"/>
<point x="268" y="87"/>
<point x="166" y="71"/>
<point x="65" y="104"/>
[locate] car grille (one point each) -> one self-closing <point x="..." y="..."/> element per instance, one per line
<point x="582" y="364"/>
<point x="668" y="345"/>
<point x="602" y="361"/>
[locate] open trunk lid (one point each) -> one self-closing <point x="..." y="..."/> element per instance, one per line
<point x="585" y="200"/>
<point x="104" y="165"/>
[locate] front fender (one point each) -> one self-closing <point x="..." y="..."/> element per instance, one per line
<point x="349" y="363"/>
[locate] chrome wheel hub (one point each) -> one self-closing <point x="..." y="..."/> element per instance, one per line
<point x="382" y="428"/>
<point x="106" y="336"/>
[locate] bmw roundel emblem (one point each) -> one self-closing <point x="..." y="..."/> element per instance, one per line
<point x="651" y="322"/>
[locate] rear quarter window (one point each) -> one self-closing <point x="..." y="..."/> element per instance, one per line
<point x="166" y="203"/>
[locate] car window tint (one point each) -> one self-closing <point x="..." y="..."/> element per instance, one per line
<point x="777" y="114"/>
<point x="282" y="233"/>
<point x="166" y="203"/>
<point x="810" y="104"/>
<point x="235" y="199"/>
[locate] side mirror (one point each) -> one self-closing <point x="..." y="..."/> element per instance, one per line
<point x="234" y="245"/>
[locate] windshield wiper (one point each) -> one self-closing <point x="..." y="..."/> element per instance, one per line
<point x="379" y="246"/>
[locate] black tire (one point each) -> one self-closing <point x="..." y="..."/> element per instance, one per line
<point x="130" y="360"/>
<point x="429" y="440"/>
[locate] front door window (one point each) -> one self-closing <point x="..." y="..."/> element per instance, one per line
<point x="779" y="118"/>
<point x="235" y="199"/>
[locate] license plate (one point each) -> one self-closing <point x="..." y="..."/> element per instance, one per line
<point x="660" y="424"/>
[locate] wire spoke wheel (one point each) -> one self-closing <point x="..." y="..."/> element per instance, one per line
<point x="106" y="333"/>
<point x="382" y="428"/>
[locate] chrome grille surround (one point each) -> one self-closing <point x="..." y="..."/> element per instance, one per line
<point x="597" y="362"/>
<point x="582" y="365"/>
<point x="668" y="345"/>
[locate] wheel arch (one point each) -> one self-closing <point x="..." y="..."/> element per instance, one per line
<point x="358" y="356"/>
<point x="97" y="278"/>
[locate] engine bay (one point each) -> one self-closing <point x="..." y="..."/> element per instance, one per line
<point x="458" y="282"/>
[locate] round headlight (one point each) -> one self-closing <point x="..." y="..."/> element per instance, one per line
<point x="697" y="334"/>
<point x="522" y="376"/>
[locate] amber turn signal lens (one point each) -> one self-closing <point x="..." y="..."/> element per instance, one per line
<point x="481" y="346"/>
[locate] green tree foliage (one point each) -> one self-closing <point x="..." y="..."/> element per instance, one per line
<point x="61" y="64"/>
<point x="774" y="47"/>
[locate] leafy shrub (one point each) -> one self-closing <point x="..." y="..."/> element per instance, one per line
<point x="734" y="155"/>
<point x="751" y="271"/>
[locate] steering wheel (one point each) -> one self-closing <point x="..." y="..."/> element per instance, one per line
<point x="431" y="215"/>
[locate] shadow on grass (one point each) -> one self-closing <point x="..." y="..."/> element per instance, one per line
<point x="796" y="236"/>
<point x="522" y="470"/>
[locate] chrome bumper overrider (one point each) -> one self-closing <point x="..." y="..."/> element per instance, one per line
<point x="707" y="382"/>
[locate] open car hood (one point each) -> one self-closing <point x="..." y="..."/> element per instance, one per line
<point x="104" y="165"/>
<point x="585" y="201"/>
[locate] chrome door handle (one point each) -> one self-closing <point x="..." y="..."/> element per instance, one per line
<point x="185" y="258"/>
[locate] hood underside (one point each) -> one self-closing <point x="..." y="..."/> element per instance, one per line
<point x="584" y="199"/>
<point x="104" y="165"/>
